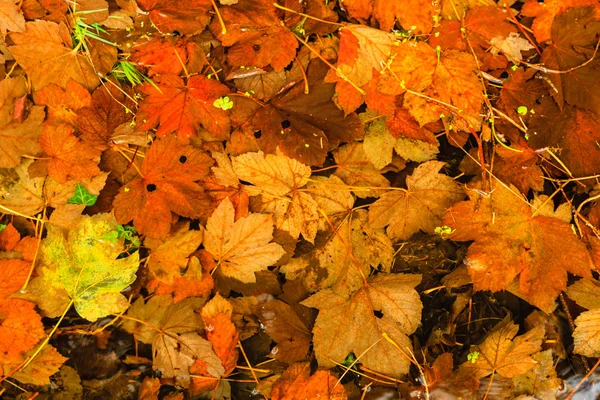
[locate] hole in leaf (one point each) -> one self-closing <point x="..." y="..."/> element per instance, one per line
<point x="285" y="124"/>
<point x="182" y="159"/>
<point x="504" y="75"/>
<point x="258" y="134"/>
<point x="256" y="47"/>
<point x="151" y="187"/>
<point x="378" y="313"/>
<point x="176" y="33"/>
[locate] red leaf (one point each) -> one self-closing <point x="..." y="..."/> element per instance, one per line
<point x="183" y="108"/>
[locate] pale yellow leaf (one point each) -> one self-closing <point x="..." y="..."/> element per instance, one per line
<point x="354" y="168"/>
<point x="415" y="150"/>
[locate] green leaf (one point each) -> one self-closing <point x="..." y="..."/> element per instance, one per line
<point x="223" y="103"/>
<point x="2" y="226"/>
<point x="87" y="266"/>
<point x="82" y="196"/>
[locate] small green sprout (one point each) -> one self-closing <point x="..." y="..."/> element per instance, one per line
<point x="349" y="360"/>
<point x="128" y="233"/>
<point x="473" y="356"/>
<point x="444" y="230"/>
<point x="522" y="110"/>
<point x="223" y="103"/>
<point x="2" y="226"/>
<point x="82" y="196"/>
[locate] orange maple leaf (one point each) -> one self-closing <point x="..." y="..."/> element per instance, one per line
<point x="168" y="184"/>
<point x="512" y="241"/>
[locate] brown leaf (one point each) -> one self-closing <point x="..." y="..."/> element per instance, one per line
<point x="421" y="207"/>
<point x="21" y="138"/>
<point x="386" y="304"/>
<point x="291" y="333"/>
<point x="510" y="241"/>
<point x="499" y="353"/>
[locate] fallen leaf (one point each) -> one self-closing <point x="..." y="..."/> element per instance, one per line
<point x="21" y="138"/>
<point x="296" y="383"/>
<point x="585" y="293"/>
<point x="385" y="304"/>
<point x="243" y="247"/>
<point x="20" y="328"/>
<point x="183" y="107"/>
<point x="287" y="329"/>
<point x="170" y="172"/>
<point x="502" y="353"/>
<point x="278" y="179"/>
<point x="540" y="381"/>
<point x="172" y="329"/>
<point x="421" y="207"/>
<point x="45" y="51"/>
<point x="69" y="156"/>
<point x="169" y="257"/>
<point x="510" y="241"/>
<point x="169" y="17"/>
<point x="11" y="19"/>
<point x="88" y="267"/>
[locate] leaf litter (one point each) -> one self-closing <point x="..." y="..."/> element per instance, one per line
<point x="299" y="200"/>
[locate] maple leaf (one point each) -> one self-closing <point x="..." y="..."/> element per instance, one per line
<point x="262" y="84"/>
<point x="19" y="192"/>
<point x="571" y="129"/>
<point x="160" y="55"/>
<point x="511" y="241"/>
<point x="305" y="126"/>
<point x="586" y="336"/>
<point x="63" y="103"/>
<point x="172" y="329"/>
<point x="355" y="169"/>
<point x="45" y="51"/>
<point x="39" y="371"/>
<point x="196" y="282"/>
<point x="182" y="107"/>
<point x="443" y="380"/>
<point x="109" y="107"/>
<point x="296" y="383"/>
<point x="88" y="268"/>
<point x="346" y="255"/>
<point x="20" y="328"/>
<point x="287" y="329"/>
<point x="168" y="257"/>
<point x="221" y="332"/>
<point x="414" y="15"/>
<point x="421" y="207"/>
<point x="499" y="353"/>
<point x="540" y="381"/>
<point x="355" y="324"/>
<point x="69" y="156"/>
<point x="546" y="13"/>
<point x="450" y="80"/>
<point x="169" y="17"/>
<point x="170" y="172"/>
<point x="574" y="35"/>
<point x="21" y="138"/>
<point x="255" y="35"/>
<point x="10" y="17"/>
<point x="243" y="247"/>
<point x="279" y="179"/>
